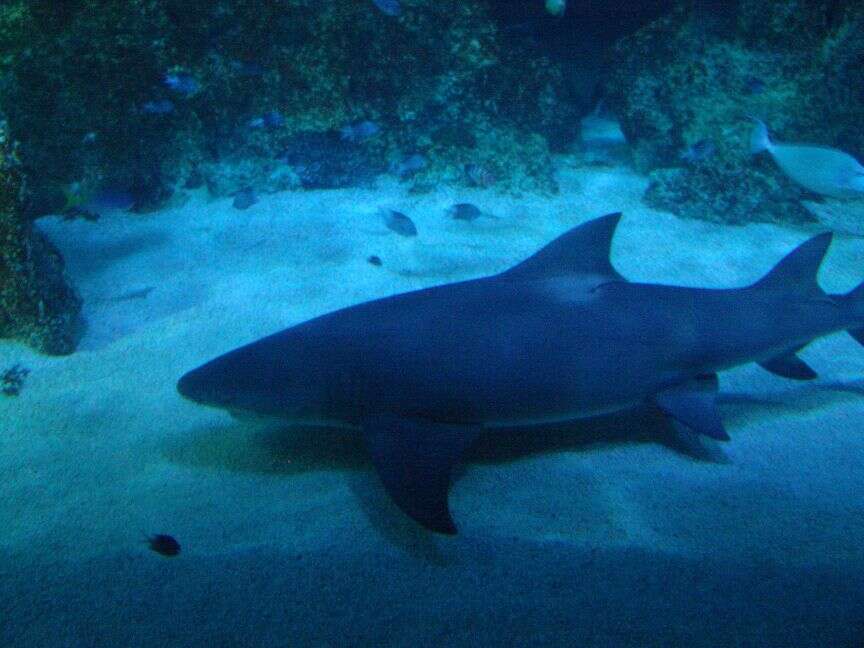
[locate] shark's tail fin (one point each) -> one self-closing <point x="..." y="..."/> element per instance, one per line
<point x="796" y="272"/>
<point x="854" y="301"/>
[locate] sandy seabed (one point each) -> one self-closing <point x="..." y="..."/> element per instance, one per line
<point x="599" y="533"/>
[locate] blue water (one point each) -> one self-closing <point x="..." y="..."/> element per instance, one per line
<point x="208" y="174"/>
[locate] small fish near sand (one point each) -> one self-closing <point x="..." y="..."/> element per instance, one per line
<point x="164" y="545"/>
<point x="12" y="380"/>
<point x="244" y="198"/>
<point x="479" y="175"/>
<point x="464" y="212"/>
<point x="398" y="222"/>
<point x="181" y="83"/>
<point x="409" y="166"/>
<point x="820" y="169"/>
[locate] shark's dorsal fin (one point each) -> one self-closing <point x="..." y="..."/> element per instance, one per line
<point x="582" y="250"/>
<point x="796" y="272"/>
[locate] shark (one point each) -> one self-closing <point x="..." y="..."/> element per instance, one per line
<point x="559" y="337"/>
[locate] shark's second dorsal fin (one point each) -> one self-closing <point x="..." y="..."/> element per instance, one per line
<point x="796" y="272"/>
<point x="582" y="250"/>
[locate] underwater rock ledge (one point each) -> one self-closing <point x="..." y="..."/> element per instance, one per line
<point x="111" y="109"/>
<point x="685" y="85"/>
<point x="37" y="304"/>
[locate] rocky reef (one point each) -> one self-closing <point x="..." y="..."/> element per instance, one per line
<point x="686" y="85"/>
<point x="145" y="95"/>
<point x="37" y="305"/>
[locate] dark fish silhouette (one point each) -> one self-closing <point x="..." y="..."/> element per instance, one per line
<point x="465" y="211"/>
<point x="399" y="222"/>
<point x="164" y="544"/>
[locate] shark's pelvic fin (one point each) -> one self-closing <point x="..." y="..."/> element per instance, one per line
<point x="789" y="365"/>
<point x="582" y="250"/>
<point x="415" y="459"/>
<point x="796" y="272"/>
<point x="693" y="405"/>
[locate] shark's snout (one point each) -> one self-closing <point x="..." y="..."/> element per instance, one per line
<point x="189" y="387"/>
<point x="205" y="387"/>
<point x="239" y="381"/>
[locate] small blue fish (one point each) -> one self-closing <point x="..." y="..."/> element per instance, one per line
<point x="359" y="132"/>
<point x="409" y="166"/>
<point x="158" y="107"/>
<point x="699" y="152"/>
<point x="389" y="7"/>
<point x="465" y="211"/>
<point x="272" y="119"/>
<point x="182" y="83"/>
<point x="12" y="379"/>
<point x="399" y="222"/>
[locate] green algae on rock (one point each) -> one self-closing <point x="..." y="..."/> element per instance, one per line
<point x="319" y="67"/>
<point x="37" y="305"/>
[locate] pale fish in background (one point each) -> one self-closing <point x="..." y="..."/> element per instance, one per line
<point x="603" y="141"/>
<point x="819" y="169"/>
<point x="843" y="217"/>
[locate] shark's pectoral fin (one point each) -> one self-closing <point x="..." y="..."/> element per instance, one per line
<point x="415" y="459"/>
<point x="693" y="405"/>
<point x="789" y="366"/>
